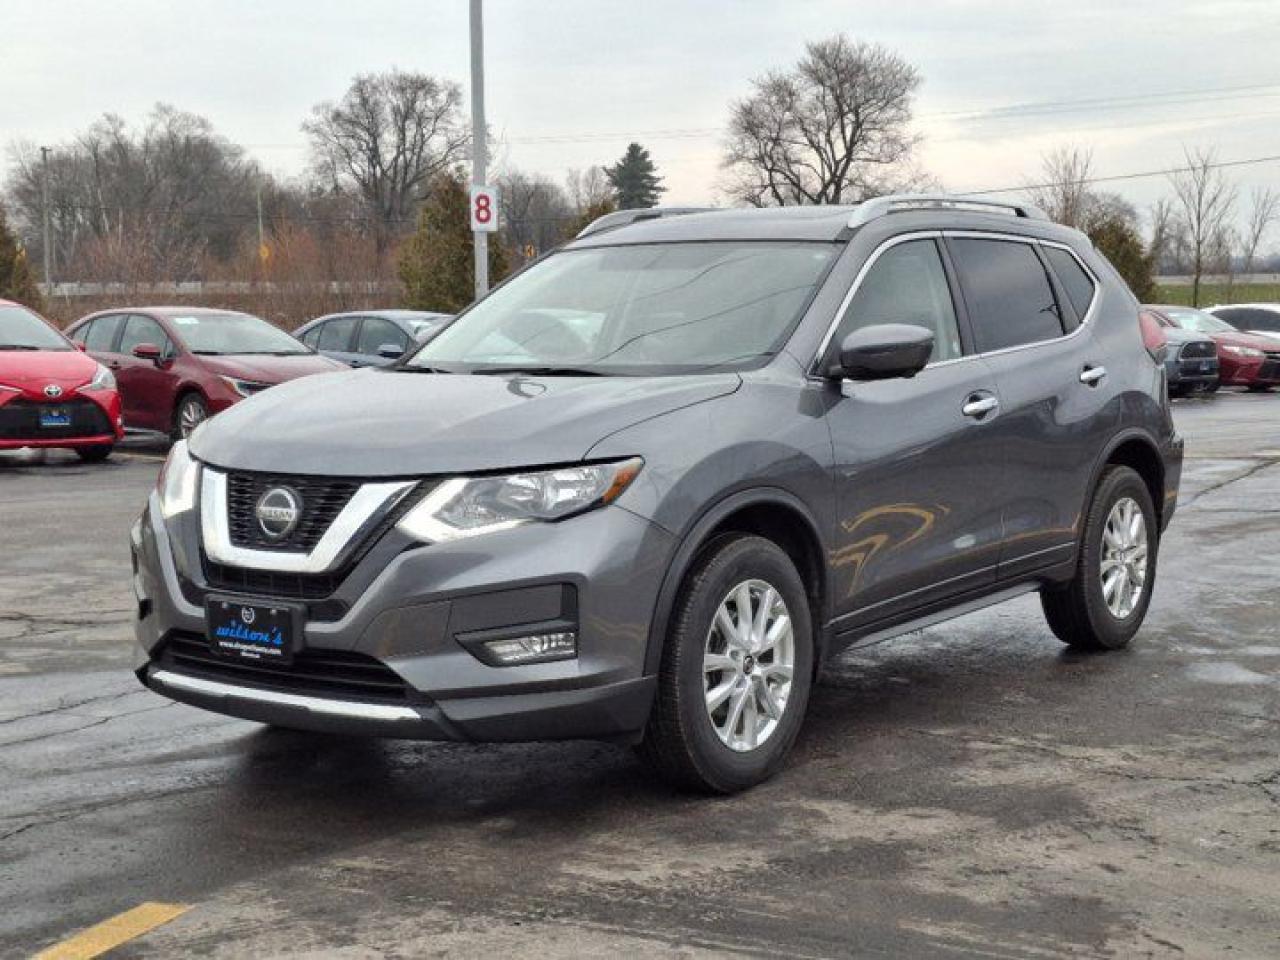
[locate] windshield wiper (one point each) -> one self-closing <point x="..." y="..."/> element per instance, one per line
<point x="414" y="368"/>
<point x="20" y="346"/>
<point x="547" y="371"/>
<point x="208" y="353"/>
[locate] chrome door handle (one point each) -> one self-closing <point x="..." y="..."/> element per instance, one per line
<point x="1092" y="375"/>
<point x="979" y="406"/>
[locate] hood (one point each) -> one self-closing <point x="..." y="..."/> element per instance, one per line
<point x="1179" y="335"/>
<point x="1266" y="344"/>
<point x="33" y="370"/>
<point x="268" y="369"/>
<point x="372" y="423"/>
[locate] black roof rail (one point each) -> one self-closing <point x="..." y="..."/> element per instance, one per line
<point x="621" y="218"/>
<point x="898" y="203"/>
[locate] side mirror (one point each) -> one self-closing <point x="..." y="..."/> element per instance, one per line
<point x="148" y="351"/>
<point x="883" y="352"/>
<point x="390" y="350"/>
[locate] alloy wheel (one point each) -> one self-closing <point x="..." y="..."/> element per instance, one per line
<point x="747" y="665"/>
<point x="191" y="416"/>
<point x="1124" y="557"/>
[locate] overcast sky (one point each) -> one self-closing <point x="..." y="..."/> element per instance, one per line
<point x="570" y="82"/>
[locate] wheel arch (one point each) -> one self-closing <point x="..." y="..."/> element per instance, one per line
<point x="769" y="512"/>
<point x="1137" y="450"/>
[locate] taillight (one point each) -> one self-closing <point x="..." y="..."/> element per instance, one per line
<point x="1153" y="337"/>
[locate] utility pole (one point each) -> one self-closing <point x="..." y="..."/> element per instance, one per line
<point x="479" y="147"/>
<point x="48" y="233"/>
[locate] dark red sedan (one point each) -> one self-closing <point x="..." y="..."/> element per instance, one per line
<point x="1245" y="359"/>
<point x="177" y="366"/>
<point x="51" y="394"/>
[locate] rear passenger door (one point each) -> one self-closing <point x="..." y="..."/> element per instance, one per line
<point x="1054" y="415"/>
<point x="336" y="340"/>
<point x="917" y="464"/>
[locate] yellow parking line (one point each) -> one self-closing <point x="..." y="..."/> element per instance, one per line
<point x="109" y="934"/>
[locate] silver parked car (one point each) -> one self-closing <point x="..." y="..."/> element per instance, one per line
<point x="371" y="338"/>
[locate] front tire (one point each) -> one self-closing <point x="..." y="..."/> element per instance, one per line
<point x="190" y="412"/>
<point x="736" y="669"/>
<point x="1105" y="604"/>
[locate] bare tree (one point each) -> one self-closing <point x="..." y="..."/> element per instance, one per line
<point x="1064" y="192"/>
<point x="534" y="211"/>
<point x="834" y="129"/>
<point x="1166" y="241"/>
<point x="388" y="136"/>
<point x="587" y="188"/>
<point x="1265" y="208"/>
<point x="1205" y="199"/>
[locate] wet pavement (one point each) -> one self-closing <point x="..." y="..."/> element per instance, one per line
<point x="971" y="790"/>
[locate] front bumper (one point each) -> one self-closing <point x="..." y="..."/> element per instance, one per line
<point x="602" y="569"/>
<point x="1192" y="373"/>
<point x="94" y="420"/>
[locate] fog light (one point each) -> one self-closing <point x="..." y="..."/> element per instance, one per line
<point x="537" y="648"/>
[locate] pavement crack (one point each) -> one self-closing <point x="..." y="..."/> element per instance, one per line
<point x="1215" y="487"/>
<point x="71" y="707"/>
<point x="84" y="726"/>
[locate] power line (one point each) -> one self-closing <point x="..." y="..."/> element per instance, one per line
<point x="1116" y="178"/>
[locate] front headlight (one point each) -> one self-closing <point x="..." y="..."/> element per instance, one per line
<point x="1235" y="351"/>
<point x="103" y="379"/>
<point x="177" y="481"/>
<point x="469" y="506"/>
<point x="246" y="388"/>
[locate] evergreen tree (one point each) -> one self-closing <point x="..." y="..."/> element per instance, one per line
<point x="1118" y="240"/>
<point x="437" y="264"/>
<point x="16" y="280"/>
<point x="634" y="179"/>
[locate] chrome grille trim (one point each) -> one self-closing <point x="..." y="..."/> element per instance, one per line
<point x="366" y="507"/>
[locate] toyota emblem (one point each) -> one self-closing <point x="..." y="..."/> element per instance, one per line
<point x="53" y="391"/>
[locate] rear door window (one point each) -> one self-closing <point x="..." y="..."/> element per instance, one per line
<point x="1261" y="320"/>
<point x="337" y="334"/>
<point x="1008" y="293"/>
<point x="101" y="337"/>
<point x="907" y="284"/>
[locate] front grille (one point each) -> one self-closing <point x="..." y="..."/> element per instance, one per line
<point x="337" y="674"/>
<point x="272" y="583"/>
<point x="322" y="499"/>
<point x="1198" y="351"/>
<point x="20" y="420"/>
<point x="1270" y="369"/>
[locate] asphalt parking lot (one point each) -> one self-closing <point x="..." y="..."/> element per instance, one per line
<point x="970" y="790"/>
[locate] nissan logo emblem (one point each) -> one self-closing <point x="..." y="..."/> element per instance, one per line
<point x="52" y="391"/>
<point x="278" y="512"/>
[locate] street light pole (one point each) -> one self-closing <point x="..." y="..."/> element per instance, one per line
<point x="479" y="145"/>
<point x="48" y="233"/>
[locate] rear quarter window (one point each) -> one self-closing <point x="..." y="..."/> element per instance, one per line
<point x="1079" y="286"/>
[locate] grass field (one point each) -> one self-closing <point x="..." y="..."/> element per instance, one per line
<point x="1215" y="293"/>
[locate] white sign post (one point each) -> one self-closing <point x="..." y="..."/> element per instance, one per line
<point x="484" y="209"/>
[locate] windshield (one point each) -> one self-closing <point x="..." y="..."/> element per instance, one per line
<point x="20" y="329"/>
<point x="660" y="308"/>
<point x="1200" y="321"/>
<point x="217" y="333"/>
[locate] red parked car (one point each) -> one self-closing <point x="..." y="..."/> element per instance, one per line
<point x="51" y="394"/>
<point x="1245" y="359"/>
<point x="177" y="366"/>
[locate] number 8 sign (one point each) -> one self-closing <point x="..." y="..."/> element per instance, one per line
<point x="484" y="209"/>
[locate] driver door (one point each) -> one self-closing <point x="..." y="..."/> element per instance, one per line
<point x="146" y="386"/>
<point x="917" y="469"/>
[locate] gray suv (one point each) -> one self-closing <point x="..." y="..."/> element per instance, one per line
<point x="645" y="488"/>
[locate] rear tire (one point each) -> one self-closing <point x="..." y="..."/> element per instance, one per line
<point x="1213" y="387"/>
<point x="95" y="454"/>
<point x="732" y="692"/>
<point x="1105" y="604"/>
<point x="1259" y="388"/>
